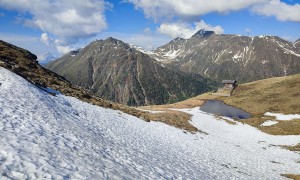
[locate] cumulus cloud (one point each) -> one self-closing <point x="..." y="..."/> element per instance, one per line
<point x="148" y="40"/>
<point x="280" y="10"/>
<point x="45" y="39"/>
<point x="185" y="30"/>
<point x="161" y="9"/>
<point x="68" y="20"/>
<point x="31" y="43"/>
<point x="63" y="49"/>
<point x="158" y="9"/>
<point x="170" y="13"/>
<point x="56" y="43"/>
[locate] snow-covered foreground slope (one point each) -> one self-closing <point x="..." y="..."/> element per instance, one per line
<point x="44" y="136"/>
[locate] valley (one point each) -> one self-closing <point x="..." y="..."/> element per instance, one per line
<point x="149" y="90"/>
<point x="35" y="111"/>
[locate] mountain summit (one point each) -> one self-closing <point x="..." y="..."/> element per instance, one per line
<point x="203" y="33"/>
<point x="115" y="71"/>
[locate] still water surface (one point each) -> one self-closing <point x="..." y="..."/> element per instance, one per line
<point x="222" y="109"/>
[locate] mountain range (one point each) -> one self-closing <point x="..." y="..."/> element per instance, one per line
<point x="118" y="72"/>
<point x="53" y="130"/>
<point x="181" y="69"/>
<point x="223" y="56"/>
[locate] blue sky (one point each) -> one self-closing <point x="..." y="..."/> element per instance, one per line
<point x="58" y="26"/>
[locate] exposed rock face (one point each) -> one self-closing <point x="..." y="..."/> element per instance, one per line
<point x="115" y="71"/>
<point x="232" y="56"/>
<point x="297" y="44"/>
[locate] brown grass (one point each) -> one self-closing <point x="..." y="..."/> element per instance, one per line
<point x="293" y="148"/>
<point x="174" y="118"/>
<point x="292" y="176"/>
<point x="279" y="95"/>
<point x="291" y="127"/>
<point x="189" y="103"/>
<point x="229" y="122"/>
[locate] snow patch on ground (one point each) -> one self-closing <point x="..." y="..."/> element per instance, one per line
<point x="205" y="72"/>
<point x="228" y="119"/>
<point x="287" y="51"/>
<point x="264" y="61"/>
<point x="150" y="53"/>
<point x="150" y="111"/>
<point x="283" y="117"/>
<point x="172" y="54"/>
<point x="59" y="137"/>
<point x="269" y="123"/>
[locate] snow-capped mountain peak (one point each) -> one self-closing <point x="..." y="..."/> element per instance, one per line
<point x="203" y="33"/>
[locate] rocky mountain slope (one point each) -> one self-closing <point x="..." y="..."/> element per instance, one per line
<point x="221" y="56"/>
<point x="297" y="44"/>
<point x="115" y="71"/>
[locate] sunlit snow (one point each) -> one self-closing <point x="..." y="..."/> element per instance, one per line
<point x="269" y="123"/>
<point x="283" y="117"/>
<point x="59" y="137"/>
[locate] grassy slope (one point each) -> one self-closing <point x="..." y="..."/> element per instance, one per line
<point x="280" y="94"/>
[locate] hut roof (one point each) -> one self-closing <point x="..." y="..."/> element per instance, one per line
<point x="229" y="81"/>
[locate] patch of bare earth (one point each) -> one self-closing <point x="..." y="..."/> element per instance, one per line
<point x="293" y="148"/>
<point x="292" y="176"/>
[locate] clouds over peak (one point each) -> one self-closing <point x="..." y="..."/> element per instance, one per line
<point x="189" y="12"/>
<point x="61" y="47"/>
<point x="68" y="20"/>
<point x="185" y="30"/>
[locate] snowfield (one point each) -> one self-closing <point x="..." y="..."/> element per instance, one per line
<point x="283" y="117"/>
<point x="44" y="136"/>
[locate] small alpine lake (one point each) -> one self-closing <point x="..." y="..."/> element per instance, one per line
<point x="222" y="109"/>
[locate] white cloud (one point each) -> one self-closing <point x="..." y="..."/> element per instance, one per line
<point x="45" y="39"/>
<point x="158" y="9"/>
<point x="202" y="25"/>
<point x="280" y="10"/>
<point x="31" y="43"/>
<point x="45" y="58"/>
<point x="63" y="49"/>
<point x="185" y="30"/>
<point x="56" y="43"/>
<point x="148" y="40"/>
<point x="69" y="20"/>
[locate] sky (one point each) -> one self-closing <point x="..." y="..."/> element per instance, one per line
<point x="55" y="27"/>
